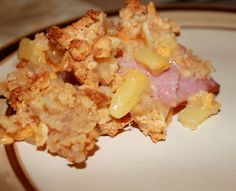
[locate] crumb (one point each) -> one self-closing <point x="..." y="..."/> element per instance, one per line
<point x="68" y="80"/>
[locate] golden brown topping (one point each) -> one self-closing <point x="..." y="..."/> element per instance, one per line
<point x="132" y="3"/>
<point x="79" y="49"/>
<point x="88" y="28"/>
<point x="3" y="106"/>
<point x="193" y="66"/>
<point x="102" y="48"/>
<point x="136" y="17"/>
<point x="107" y="68"/>
<point x="95" y="77"/>
<point x="131" y="19"/>
<point x="16" y="95"/>
<point x="22" y="64"/>
<point x="108" y="125"/>
<point x="98" y="97"/>
<point x="54" y="34"/>
<point x="157" y="23"/>
<point x="82" y="70"/>
<point x="16" y="127"/>
<point x="152" y="118"/>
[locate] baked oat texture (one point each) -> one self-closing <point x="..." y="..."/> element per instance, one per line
<point x="65" y="81"/>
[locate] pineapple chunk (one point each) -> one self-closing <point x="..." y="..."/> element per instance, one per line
<point x="25" y="47"/>
<point x="199" y="108"/>
<point x="33" y="50"/>
<point x="129" y="93"/>
<point x="154" y="62"/>
<point x="167" y="45"/>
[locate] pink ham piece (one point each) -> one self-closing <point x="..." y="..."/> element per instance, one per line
<point x="171" y="88"/>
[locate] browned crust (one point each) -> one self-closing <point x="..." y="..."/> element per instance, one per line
<point x="16" y="95"/>
<point x="79" y="49"/>
<point x="97" y="97"/>
<point x="54" y="33"/>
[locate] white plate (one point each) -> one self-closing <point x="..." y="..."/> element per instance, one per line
<point x="204" y="159"/>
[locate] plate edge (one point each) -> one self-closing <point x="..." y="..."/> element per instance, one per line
<point x="9" y="49"/>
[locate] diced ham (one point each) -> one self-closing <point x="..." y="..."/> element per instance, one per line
<point x="171" y="88"/>
<point x="188" y="86"/>
<point x="166" y="86"/>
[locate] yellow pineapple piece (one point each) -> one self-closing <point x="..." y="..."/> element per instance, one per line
<point x="129" y="92"/>
<point x="199" y="108"/>
<point x="33" y="50"/>
<point x="24" y="51"/>
<point x="154" y="62"/>
<point x="167" y="45"/>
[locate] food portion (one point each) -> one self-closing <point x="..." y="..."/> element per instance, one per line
<point x="98" y="75"/>
<point x="199" y="107"/>
<point x="123" y="101"/>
